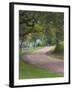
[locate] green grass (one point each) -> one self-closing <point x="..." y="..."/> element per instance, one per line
<point x="30" y="50"/>
<point x="28" y="71"/>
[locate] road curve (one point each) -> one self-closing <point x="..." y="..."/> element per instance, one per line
<point x="41" y="60"/>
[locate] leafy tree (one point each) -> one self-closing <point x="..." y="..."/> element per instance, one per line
<point x="44" y="25"/>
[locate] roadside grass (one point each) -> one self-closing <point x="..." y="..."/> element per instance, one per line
<point x="30" y="50"/>
<point x="29" y="71"/>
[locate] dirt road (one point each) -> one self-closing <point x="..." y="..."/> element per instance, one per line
<point x="41" y="60"/>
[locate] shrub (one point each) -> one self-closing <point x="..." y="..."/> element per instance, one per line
<point x="59" y="48"/>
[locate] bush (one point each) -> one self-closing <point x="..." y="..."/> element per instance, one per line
<point x="59" y="48"/>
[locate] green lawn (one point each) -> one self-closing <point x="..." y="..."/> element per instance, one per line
<point x="30" y="50"/>
<point x="28" y="71"/>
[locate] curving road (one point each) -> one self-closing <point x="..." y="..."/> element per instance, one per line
<point x="41" y="60"/>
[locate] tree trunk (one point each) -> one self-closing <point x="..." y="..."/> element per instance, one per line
<point x="20" y="46"/>
<point x="57" y="38"/>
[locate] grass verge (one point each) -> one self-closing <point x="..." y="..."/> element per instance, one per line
<point x="30" y="50"/>
<point x="28" y="71"/>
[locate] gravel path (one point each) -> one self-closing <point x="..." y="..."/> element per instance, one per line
<point x="41" y="60"/>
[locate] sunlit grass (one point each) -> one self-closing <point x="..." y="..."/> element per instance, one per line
<point x="28" y="71"/>
<point x="30" y="50"/>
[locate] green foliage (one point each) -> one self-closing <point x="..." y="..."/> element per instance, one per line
<point x="47" y="26"/>
<point x="38" y="27"/>
<point x="28" y="71"/>
<point x="59" y="48"/>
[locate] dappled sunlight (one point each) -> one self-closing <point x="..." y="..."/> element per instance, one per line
<point x="41" y="44"/>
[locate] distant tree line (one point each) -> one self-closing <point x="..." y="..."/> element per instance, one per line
<point x="48" y="26"/>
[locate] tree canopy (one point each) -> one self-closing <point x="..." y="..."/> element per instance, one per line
<point x="44" y="25"/>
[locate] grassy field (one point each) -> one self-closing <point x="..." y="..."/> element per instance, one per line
<point x="30" y="50"/>
<point x="28" y="71"/>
